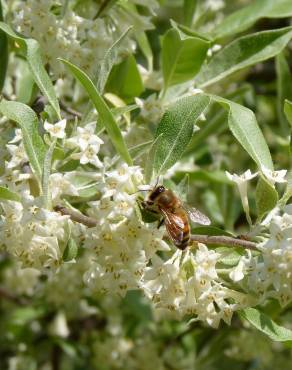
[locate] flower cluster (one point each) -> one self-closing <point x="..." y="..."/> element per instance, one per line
<point x="76" y="36"/>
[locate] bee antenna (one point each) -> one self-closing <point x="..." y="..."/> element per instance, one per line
<point x="141" y="190"/>
<point x="157" y="181"/>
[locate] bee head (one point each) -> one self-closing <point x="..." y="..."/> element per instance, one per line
<point x="159" y="189"/>
<point x="156" y="191"/>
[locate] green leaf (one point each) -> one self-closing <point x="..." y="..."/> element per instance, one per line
<point x="109" y="61"/>
<point x="210" y="230"/>
<point x="243" y="52"/>
<point x="243" y="125"/>
<point x="266" y="325"/>
<point x="105" y="114"/>
<point x="6" y="194"/>
<point x="28" y="122"/>
<point x="176" y="130"/>
<point x="150" y="159"/>
<point x="190" y="7"/>
<point x="284" y="90"/>
<point x="182" y="56"/>
<point x="125" y="79"/>
<point x="145" y="47"/>
<point x="3" y="53"/>
<point x="46" y="174"/>
<point x="288" y="111"/>
<point x="243" y="18"/>
<point x="215" y="176"/>
<point x="25" y="86"/>
<point x="31" y="50"/>
<point x="266" y="197"/>
<point x="70" y="251"/>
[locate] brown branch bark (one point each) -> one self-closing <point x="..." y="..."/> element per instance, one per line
<point x="76" y="216"/>
<point x="206" y="239"/>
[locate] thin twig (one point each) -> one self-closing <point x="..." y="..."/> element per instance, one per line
<point x="76" y="216"/>
<point x="206" y="239"/>
<point x="224" y="240"/>
<point x="71" y="111"/>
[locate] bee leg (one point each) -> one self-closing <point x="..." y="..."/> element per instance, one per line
<point x="160" y="223"/>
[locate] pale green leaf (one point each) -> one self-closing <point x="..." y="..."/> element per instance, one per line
<point x="31" y="50"/>
<point x="150" y="159"/>
<point x="266" y="197"/>
<point x="288" y="111"/>
<point x="46" y="174"/>
<point x="182" y="56"/>
<point x="245" y="17"/>
<point x="103" y="110"/>
<point x="6" y="194"/>
<point x="243" y="52"/>
<point x="145" y="47"/>
<point x="243" y="125"/>
<point x="266" y="325"/>
<point x="176" y="130"/>
<point x="28" y="122"/>
<point x="3" y="53"/>
<point x="284" y="90"/>
<point x="71" y="251"/>
<point x="109" y="60"/>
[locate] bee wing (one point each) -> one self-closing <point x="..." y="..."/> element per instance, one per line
<point x="174" y="226"/>
<point x="196" y="216"/>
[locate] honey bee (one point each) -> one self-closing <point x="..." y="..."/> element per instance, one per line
<point x="174" y="214"/>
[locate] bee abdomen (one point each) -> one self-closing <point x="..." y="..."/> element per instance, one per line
<point x="186" y="238"/>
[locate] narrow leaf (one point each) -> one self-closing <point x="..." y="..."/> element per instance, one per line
<point x="182" y="56"/>
<point x="46" y="174"/>
<point x="145" y="47"/>
<point x="284" y="90"/>
<point x="288" y="111"/>
<point x="3" y="53"/>
<point x="243" y="125"/>
<point x="109" y="61"/>
<point x="245" y="17"/>
<point x="243" y="52"/>
<point x="150" y="159"/>
<point x="176" y="128"/>
<point x="105" y="114"/>
<point x="31" y="50"/>
<point x="28" y="122"/>
<point x="266" y="325"/>
<point x="190" y="7"/>
<point x="6" y="194"/>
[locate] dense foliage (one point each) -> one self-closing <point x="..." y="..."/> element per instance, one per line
<point x="102" y="99"/>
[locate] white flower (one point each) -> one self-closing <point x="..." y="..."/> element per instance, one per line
<point x="18" y="155"/>
<point x="17" y="137"/>
<point x="152" y="109"/>
<point x="214" y="5"/>
<point x="213" y="49"/>
<point x="62" y="184"/>
<point x="85" y="137"/>
<point x="241" y="182"/>
<point x="274" y="176"/>
<point x="242" y="268"/>
<point x="205" y="261"/>
<point x="56" y="130"/>
<point x="59" y="326"/>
